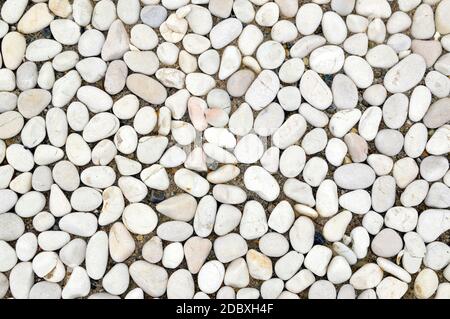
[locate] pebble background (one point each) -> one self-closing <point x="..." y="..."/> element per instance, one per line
<point x="224" y="149"/>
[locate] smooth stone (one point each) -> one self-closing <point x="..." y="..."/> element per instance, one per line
<point x="335" y="151"/>
<point x="382" y="56"/>
<point x="117" y="279"/>
<point x="152" y="251"/>
<point x="288" y="265"/>
<point x="74" y="253"/>
<point x="437" y="255"/>
<point x="12" y="10"/>
<point x="430" y="50"/>
<point x="96" y="253"/>
<point x="249" y="149"/>
<point x="315" y="171"/>
<point x="241" y="121"/>
<point x="401" y="218"/>
<point x="258" y="180"/>
<point x="98" y="176"/>
<point x="45" y="290"/>
<point x="306" y="45"/>
<point x="357" y="44"/>
<point x="21" y="279"/>
<point x="270" y="55"/>
<point x="405" y="171"/>
<point x="152" y="279"/>
<point x="79" y="224"/>
<point x="301" y="235"/>
<point x="151" y="148"/>
<point x="291" y="70"/>
<point x="314" y="141"/>
<point x="438" y="84"/>
<point x="342" y="121"/>
<point x="145" y="120"/>
<point x="65" y="88"/>
<point x="360" y="242"/>
<point x="153" y="15"/>
<point x="366" y="277"/>
<point x="263" y="90"/>
<point x="259" y="265"/>
<point x="139" y="218"/>
<point x="196" y="251"/>
<point x="147" y="88"/>
<point x="26" y="246"/>
<point x="387" y="243"/>
<point x="301" y="281"/>
<point x="43" y="50"/>
<point x="179" y="207"/>
<point x="132" y="188"/>
<point x="414" y="193"/>
<point x="281" y="217"/>
<point x="432" y="223"/>
<point x="416" y="140"/>
<point x="180" y="285"/>
<point x="405" y="75"/>
<point x="155" y="177"/>
<point x="328" y="59"/>
<point x="433" y="168"/>
<point x="437" y="196"/>
<point x="225" y="32"/>
<point x="43" y="221"/>
<point x="210" y="276"/>
<point x="290" y="132"/>
<point x="53" y="240"/>
<point x="426" y="284"/>
<point x="442" y="10"/>
<point x="269" y="120"/>
<point x="346" y="292"/>
<point x="443" y="291"/>
<point x="333" y="27"/>
<point x="338" y="270"/>
<point x="191" y="182"/>
<point x="359" y="71"/>
<point x="8" y="257"/>
<point x="357" y="147"/>
<point x="322" y="289"/>
<point x="391" y="288"/>
<point x="35" y="19"/>
<point x="318" y="259"/>
<point x="11" y="123"/>
<point x="8" y="101"/>
<point x="437" y="115"/>
<point x="315" y="91"/>
<point x="174" y="231"/>
<point x="47" y="265"/>
<point x="299" y="191"/>
<point x="78" y="284"/>
<point x="273" y="244"/>
<point x="383" y="193"/>
<point x="334" y="229"/>
<point x="361" y="176"/>
<point x="345" y="94"/>
<point x="239" y="82"/>
<point x="205" y="215"/>
<point x="253" y="223"/>
<point x="199" y="84"/>
<point x="229" y="247"/>
<point x="230" y="62"/>
<point x="308" y="18"/>
<point x="172" y="255"/>
<point x="292" y="161"/>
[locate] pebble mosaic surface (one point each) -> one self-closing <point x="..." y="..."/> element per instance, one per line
<point x="224" y="149"/>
